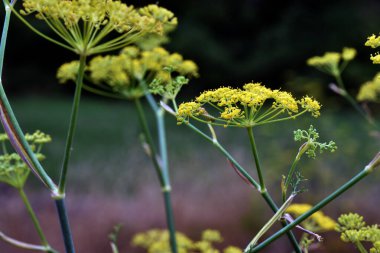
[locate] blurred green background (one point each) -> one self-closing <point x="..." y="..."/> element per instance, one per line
<point x="233" y="42"/>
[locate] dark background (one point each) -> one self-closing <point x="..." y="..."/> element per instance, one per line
<point x="233" y="42"/>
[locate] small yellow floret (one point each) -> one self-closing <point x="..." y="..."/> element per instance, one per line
<point x="348" y="53"/>
<point x="311" y="105"/>
<point x="373" y="41"/>
<point x="211" y="235"/>
<point x="375" y="58"/>
<point x="285" y="100"/>
<point x="231" y="113"/>
<point x="232" y="249"/>
<point x="186" y="110"/>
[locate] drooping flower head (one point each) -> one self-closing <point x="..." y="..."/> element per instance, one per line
<point x="252" y="105"/>
<point x="85" y="26"/>
<point x="332" y="63"/>
<point x="122" y="74"/>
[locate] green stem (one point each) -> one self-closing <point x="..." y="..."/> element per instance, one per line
<point x="160" y="113"/>
<point x="284" y="223"/>
<point x="10" y="122"/>
<point x="163" y="149"/>
<point x="291" y="172"/>
<point x="360" y="247"/>
<point x="24" y="245"/>
<point x="350" y="99"/>
<point x="170" y="220"/>
<point x="316" y="208"/>
<point x="65" y="226"/>
<point x="165" y="183"/>
<point x="277" y="216"/>
<point x="73" y="123"/>
<point x="149" y="140"/>
<point x="264" y="194"/>
<point x="256" y="159"/>
<point x="33" y="216"/>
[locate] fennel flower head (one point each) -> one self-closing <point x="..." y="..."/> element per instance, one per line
<point x="355" y="230"/>
<point x="95" y="26"/>
<point x="370" y="91"/>
<point x="123" y="74"/>
<point x="318" y="222"/>
<point x="374" y="42"/>
<point x="13" y="170"/>
<point x="157" y="240"/>
<point x="332" y="63"/>
<point x="250" y="106"/>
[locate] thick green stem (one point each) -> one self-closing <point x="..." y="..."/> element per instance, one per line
<point x="149" y="140"/>
<point x="256" y="159"/>
<point x="65" y="226"/>
<point x="360" y="247"/>
<point x="10" y="122"/>
<point x="160" y="113"/>
<point x="277" y="216"/>
<point x="170" y="220"/>
<point x="316" y="208"/>
<point x="284" y="223"/>
<point x="73" y="123"/>
<point x="163" y="149"/>
<point x="164" y="165"/>
<point x="33" y="217"/>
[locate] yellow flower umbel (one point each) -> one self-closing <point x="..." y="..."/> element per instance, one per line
<point x="85" y="26"/>
<point x="354" y="230"/>
<point x="370" y="91"/>
<point x="251" y="106"/>
<point x="13" y="170"/>
<point x="330" y="62"/>
<point x="157" y="241"/>
<point x="122" y="74"/>
<point x="374" y="42"/>
<point x="318" y="222"/>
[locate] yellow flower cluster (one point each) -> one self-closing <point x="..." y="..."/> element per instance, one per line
<point x="370" y="91"/>
<point x="243" y="107"/>
<point x="329" y="62"/>
<point x="68" y="71"/>
<point x="157" y="241"/>
<point x="374" y="42"/>
<point x="167" y="21"/>
<point x="318" y="222"/>
<point x="124" y="72"/>
<point x="99" y="18"/>
<point x="13" y="170"/>
<point x="354" y="229"/>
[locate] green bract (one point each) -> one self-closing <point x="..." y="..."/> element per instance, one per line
<point x="312" y="145"/>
